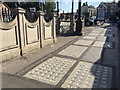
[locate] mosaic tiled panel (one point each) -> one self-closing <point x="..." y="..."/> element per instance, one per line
<point x="88" y="75"/>
<point x="84" y="42"/>
<point x="51" y="71"/>
<point x="73" y="51"/>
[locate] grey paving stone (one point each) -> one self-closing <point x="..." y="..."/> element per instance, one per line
<point x="97" y="32"/>
<point x="51" y="71"/>
<point x="102" y="38"/>
<point x="89" y="37"/>
<point x="88" y="75"/>
<point x="103" y="44"/>
<point x="73" y="51"/>
<point x="93" y="34"/>
<point x="99" y="44"/>
<point x="107" y="35"/>
<point x="93" y="55"/>
<point x="84" y="42"/>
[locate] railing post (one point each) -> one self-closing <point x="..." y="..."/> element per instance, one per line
<point x="54" y="28"/>
<point x="41" y="28"/>
<point x="71" y="32"/>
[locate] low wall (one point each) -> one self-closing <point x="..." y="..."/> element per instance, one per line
<point x="21" y="36"/>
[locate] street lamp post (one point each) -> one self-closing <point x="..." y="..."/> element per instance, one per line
<point x="79" y="22"/>
<point x="57" y="8"/>
<point x="72" y="6"/>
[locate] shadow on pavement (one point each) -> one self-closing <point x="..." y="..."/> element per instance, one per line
<point x="104" y="74"/>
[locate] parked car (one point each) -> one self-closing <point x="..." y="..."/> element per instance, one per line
<point x="92" y="20"/>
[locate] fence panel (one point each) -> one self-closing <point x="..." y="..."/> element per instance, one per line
<point x="26" y="32"/>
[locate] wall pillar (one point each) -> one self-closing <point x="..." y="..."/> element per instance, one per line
<point x="20" y="23"/>
<point x="54" y="28"/>
<point x="41" y="15"/>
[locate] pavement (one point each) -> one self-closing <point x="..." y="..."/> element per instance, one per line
<point x="88" y="61"/>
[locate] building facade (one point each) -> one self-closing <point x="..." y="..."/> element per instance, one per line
<point x="111" y="8"/>
<point x="89" y="9"/>
<point x="5" y="10"/>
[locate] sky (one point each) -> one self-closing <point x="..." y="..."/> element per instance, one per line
<point x="67" y="4"/>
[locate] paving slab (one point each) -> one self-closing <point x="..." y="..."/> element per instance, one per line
<point x="94" y="55"/>
<point x="51" y="71"/>
<point x="107" y="35"/>
<point x="89" y="37"/>
<point x="103" y="44"/>
<point x="73" y="51"/>
<point x="93" y="34"/>
<point x="99" y="44"/>
<point x="84" y="42"/>
<point x="96" y="32"/>
<point x="88" y="75"/>
<point x="12" y="81"/>
<point x="110" y="57"/>
<point x="102" y="38"/>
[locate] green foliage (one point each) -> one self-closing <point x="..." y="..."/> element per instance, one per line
<point x="85" y="4"/>
<point x="27" y="5"/>
<point x="49" y="6"/>
<point x="10" y="4"/>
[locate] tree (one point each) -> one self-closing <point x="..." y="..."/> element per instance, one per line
<point x="10" y="4"/>
<point x="84" y="4"/>
<point x="49" y="7"/>
<point x="27" y="5"/>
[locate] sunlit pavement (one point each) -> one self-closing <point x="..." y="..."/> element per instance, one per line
<point x="88" y="62"/>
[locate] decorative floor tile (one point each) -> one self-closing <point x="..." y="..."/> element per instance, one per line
<point x="88" y="75"/>
<point x="51" y="71"/>
<point x="73" y="51"/>
<point x="89" y="37"/>
<point x="84" y="42"/>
